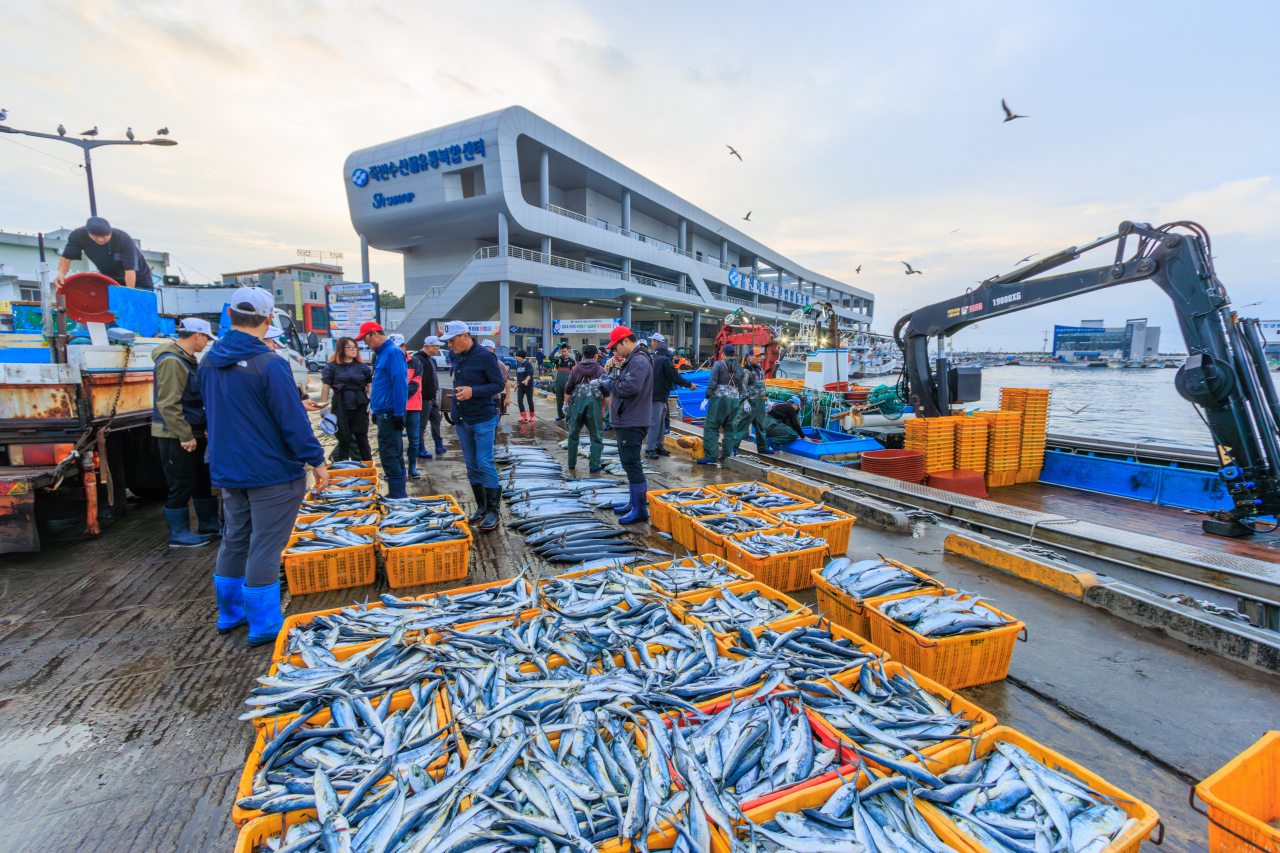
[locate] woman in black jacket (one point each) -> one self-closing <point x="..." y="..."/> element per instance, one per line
<point x="348" y="378"/>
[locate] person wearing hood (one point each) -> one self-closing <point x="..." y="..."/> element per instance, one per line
<point x="755" y="397"/>
<point x="783" y="425"/>
<point x="630" y="389"/>
<point x="260" y="442"/>
<point x="387" y="400"/>
<point x="665" y="379"/>
<point x="178" y="425"/>
<point x="583" y="396"/>
<point x="721" y="405"/>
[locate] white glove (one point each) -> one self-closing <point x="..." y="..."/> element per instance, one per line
<point x="746" y="408"/>
<point x="704" y="403"/>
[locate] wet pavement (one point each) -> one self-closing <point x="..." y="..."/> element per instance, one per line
<point x="118" y="700"/>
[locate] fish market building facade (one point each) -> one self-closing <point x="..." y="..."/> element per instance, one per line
<point x="508" y="222"/>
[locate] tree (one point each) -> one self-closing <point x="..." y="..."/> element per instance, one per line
<point x="391" y="300"/>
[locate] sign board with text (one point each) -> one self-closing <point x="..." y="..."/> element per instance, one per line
<point x="488" y="327"/>
<point x="350" y="305"/>
<point x="602" y="326"/>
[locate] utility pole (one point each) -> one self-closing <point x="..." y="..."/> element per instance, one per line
<point x="87" y="145"/>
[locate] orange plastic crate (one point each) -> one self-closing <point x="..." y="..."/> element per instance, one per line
<point x="708" y="543"/>
<point x="1244" y="800"/>
<point x="784" y="572"/>
<point x="835" y="532"/>
<point x="337" y="568"/>
<point x="433" y="562"/>
<point x="804" y="617"/>
<point x="660" y="507"/>
<point x="955" y="662"/>
<point x="682" y="525"/>
<point x="849" y="612"/>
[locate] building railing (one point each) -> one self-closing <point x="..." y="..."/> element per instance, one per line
<point x="732" y="300"/>
<point x="661" y="245"/>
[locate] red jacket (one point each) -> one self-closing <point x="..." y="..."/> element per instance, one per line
<point x="414" y="401"/>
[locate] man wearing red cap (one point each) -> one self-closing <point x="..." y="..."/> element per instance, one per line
<point x="630" y="389"/>
<point x="387" y="400"/>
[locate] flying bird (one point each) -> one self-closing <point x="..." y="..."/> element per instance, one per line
<point x="733" y="152"/>
<point x="1010" y="115"/>
<point x="164" y="131"/>
<point x="1076" y="411"/>
<point x="1024" y="260"/>
<point x="910" y="271"/>
<point x="62" y="130"/>
<point x="93" y="132"/>
<point x="858" y="270"/>
<point x="954" y="230"/>
<point x="129" y="133"/>
<point x="748" y="216"/>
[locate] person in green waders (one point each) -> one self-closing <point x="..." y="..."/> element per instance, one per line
<point x="561" y="363"/>
<point x="755" y="396"/>
<point x="722" y="406"/>
<point x="583" y="407"/>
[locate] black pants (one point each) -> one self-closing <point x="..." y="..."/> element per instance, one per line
<point x="353" y="436"/>
<point x="185" y="471"/>
<point x="524" y="392"/>
<point x="390" y="447"/>
<point x="630" y="443"/>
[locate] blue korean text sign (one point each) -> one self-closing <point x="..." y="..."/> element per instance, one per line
<point x="415" y="163"/>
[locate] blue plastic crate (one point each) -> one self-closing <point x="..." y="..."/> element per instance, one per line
<point x="833" y="443"/>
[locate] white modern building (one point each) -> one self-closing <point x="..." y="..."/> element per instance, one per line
<point x="507" y="221"/>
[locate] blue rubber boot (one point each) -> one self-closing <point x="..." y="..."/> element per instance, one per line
<point x="707" y="460"/>
<point x="424" y="453"/>
<point x="180" y="535"/>
<point x="439" y="448"/>
<point x="262" y="606"/>
<point x="208" y="523"/>
<point x="640" y="504"/>
<point x="623" y="510"/>
<point x="229" y="593"/>
<point x="395" y="487"/>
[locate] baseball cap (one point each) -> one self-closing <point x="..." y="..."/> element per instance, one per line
<point x="657" y="338"/>
<point x="252" y="300"/>
<point x="618" y="333"/>
<point x="398" y="340"/>
<point x="367" y="327"/>
<point x="273" y="332"/>
<point x="97" y="226"/>
<point x="795" y="401"/>
<point x="195" y="324"/>
<point x="452" y="329"/>
<point x="488" y="344"/>
<point x="756" y="351"/>
<point x="728" y="349"/>
<point x="431" y="341"/>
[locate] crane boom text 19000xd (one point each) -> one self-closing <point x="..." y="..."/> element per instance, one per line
<point x="1225" y="373"/>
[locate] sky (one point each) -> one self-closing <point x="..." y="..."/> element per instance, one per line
<point x="869" y="135"/>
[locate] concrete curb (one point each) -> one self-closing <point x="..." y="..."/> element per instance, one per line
<point x="1062" y="578"/>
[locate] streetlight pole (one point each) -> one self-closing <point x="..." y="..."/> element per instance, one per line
<point x="88" y="145"/>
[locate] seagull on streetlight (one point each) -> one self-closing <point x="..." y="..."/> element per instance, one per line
<point x="129" y="133"/>
<point x="748" y="216"/>
<point x="164" y="131"/>
<point x="62" y="130"/>
<point x="910" y="271"/>
<point x="93" y="132"/>
<point x="733" y="152"/>
<point x="1010" y="115"/>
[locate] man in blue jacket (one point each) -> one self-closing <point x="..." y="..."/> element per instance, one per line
<point x="260" y="442"/>
<point x="387" y="400"/>
<point x="477" y="376"/>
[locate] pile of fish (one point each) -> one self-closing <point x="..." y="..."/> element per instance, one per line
<point x="772" y="544"/>
<point x="406" y="512"/>
<point x="347" y="465"/>
<point x="426" y="533"/>
<point x="881" y="817"/>
<point x="731" y="613"/>
<point x="888" y="716"/>
<point x="719" y="506"/>
<point x="808" y="651"/>
<point x="1011" y="802"/>
<point x="324" y="502"/>
<point x="743" y="490"/>
<point x="681" y="495"/>
<point x="871" y="578"/>
<point x="689" y="573"/>
<point x="771" y="500"/>
<point x="943" y="615"/>
<point x="734" y="523"/>
<point x="349" y="487"/>
<point x="360" y="622"/>
<point x="336" y="519"/>
<point x="327" y="539"/>
<point x="809" y="515"/>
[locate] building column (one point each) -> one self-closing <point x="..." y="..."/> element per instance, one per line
<point x="504" y="235"/>
<point x="546" y="246"/>
<point x="682" y="243"/>
<point x="677" y="334"/>
<point x="724" y="250"/>
<point x="626" y="269"/>
<point x="544" y="192"/>
<point x="626" y="210"/>
<point x="697" y="333"/>
<point x="364" y="259"/>
<point x="504" y="313"/>
<point x="546" y="325"/>
<point x="626" y="311"/>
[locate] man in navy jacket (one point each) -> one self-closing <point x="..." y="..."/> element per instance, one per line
<point x="387" y="399"/>
<point x="477" y="376"/>
<point x="260" y="442"/>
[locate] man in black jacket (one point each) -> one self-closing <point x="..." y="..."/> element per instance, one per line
<point x="665" y="378"/>
<point x="477" y="379"/>
<point x="629" y="385"/>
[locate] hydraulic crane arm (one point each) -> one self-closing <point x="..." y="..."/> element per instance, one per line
<point x="1225" y="373"/>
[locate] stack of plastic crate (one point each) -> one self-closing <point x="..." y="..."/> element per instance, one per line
<point x="1004" y="450"/>
<point x="971" y="444"/>
<point x="936" y="439"/>
<point x="1033" y="404"/>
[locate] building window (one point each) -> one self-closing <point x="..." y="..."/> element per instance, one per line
<point x="305" y="276"/>
<point x="279" y="294"/>
<point x="313" y="296"/>
<point x="29" y="294"/>
<point x="519" y="306"/>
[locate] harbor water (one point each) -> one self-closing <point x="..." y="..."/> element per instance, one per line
<point x="1139" y="405"/>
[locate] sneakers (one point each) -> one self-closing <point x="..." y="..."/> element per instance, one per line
<point x="662" y="451"/>
<point x="651" y="454"/>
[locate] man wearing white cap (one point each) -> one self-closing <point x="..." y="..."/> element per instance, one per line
<point x="178" y="425"/>
<point x="260" y="442"/>
<point x="477" y="380"/>
<point x="430" y="397"/>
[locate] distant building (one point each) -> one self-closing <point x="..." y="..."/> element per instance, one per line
<point x="299" y="289"/>
<point x="1091" y="341"/>
<point x="20" y="263"/>
<point x="1270" y="337"/>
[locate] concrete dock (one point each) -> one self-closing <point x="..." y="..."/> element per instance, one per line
<point x="118" y="700"/>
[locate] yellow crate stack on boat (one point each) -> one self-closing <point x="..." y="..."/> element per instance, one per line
<point x="1004" y="446"/>
<point x="971" y="444"/>
<point x="936" y="439"/>
<point x="1033" y="404"/>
